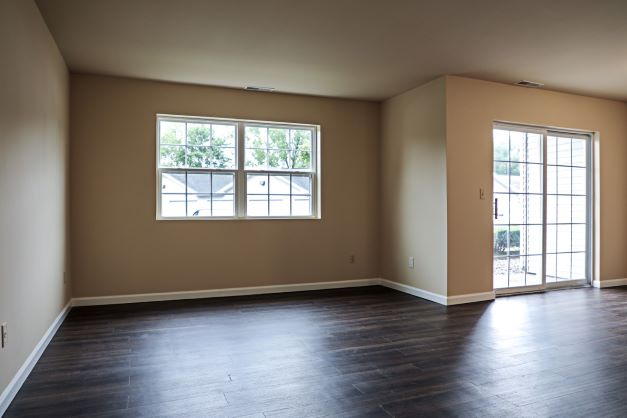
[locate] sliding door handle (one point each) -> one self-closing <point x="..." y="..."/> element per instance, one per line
<point x="496" y="208"/>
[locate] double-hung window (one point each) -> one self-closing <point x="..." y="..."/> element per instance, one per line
<point x="236" y="169"/>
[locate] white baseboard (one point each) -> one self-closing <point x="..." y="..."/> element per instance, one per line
<point x="20" y="377"/>
<point x="260" y="290"/>
<point x="424" y="294"/>
<point x="609" y="283"/>
<point x="215" y="293"/>
<point x="436" y="297"/>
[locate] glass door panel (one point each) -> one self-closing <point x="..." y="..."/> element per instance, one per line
<point x="567" y="209"/>
<point x="518" y="208"/>
<point x="541" y="232"/>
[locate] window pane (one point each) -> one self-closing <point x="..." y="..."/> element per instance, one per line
<point x="551" y="238"/>
<point x="514" y="240"/>
<point x="198" y="134"/>
<point x="534" y="148"/>
<point x="280" y="185"/>
<point x="517" y="205"/>
<point x="532" y="178"/>
<point x="210" y="157"/>
<point x="579" y="181"/>
<point x="533" y="270"/>
<point x="551" y="150"/>
<point x="501" y="177"/>
<point x="551" y="209"/>
<point x="172" y="182"/>
<point x="579" y="266"/>
<point x="256" y="159"/>
<point x="257" y="205"/>
<point x="223" y="135"/>
<point x="563" y="238"/>
<point x="256" y="137"/>
<point x="172" y="133"/>
<point x="301" y="185"/>
<point x="301" y="139"/>
<point x="301" y="206"/>
<point x="502" y="205"/>
<point x="200" y="213"/>
<point x="551" y="180"/>
<point x="257" y="184"/>
<point x="515" y="185"/>
<point x="199" y="183"/>
<point x="563" y="266"/>
<point x="579" y="209"/>
<point x="172" y="205"/>
<point x="199" y="157"/>
<point x="564" y="180"/>
<point x="278" y="138"/>
<point x="579" y="238"/>
<point x="517" y="271"/>
<point x="171" y="156"/>
<point x="501" y="145"/>
<point x="551" y="268"/>
<point x="563" y="210"/>
<point x="516" y="146"/>
<point x="579" y="152"/>
<point x="223" y="205"/>
<point x="223" y="157"/>
<point x="531" y="240"/>
<point x="302" y="160"/>
<point x="279" y="205"/>
<point x="534" y="210"/>
<point x="500" y="269"/>
<point x="278" y="159"/>
<point x="563" y="151"/>
<point x="500" y="245"/>
<point x="222" y="184"/>
<point x="198" y="205"/>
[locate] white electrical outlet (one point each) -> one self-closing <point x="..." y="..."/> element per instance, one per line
<point x="351" y="258"/>
<point x="4" y="335"/>
<point x="482" y="194"/>
<point x="410" y="262"/>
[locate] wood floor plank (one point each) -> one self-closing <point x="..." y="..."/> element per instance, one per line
<point x="348" y="353"/>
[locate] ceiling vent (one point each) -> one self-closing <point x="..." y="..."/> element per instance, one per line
<point x="264" y="89"/>
<point x="530" y="84"/>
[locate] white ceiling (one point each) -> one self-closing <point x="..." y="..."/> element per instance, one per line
<point x="370" y="49"/>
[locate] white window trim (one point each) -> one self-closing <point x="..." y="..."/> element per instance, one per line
<point x="240" y="172"/>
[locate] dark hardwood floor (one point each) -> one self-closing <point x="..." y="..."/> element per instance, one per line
<point x="367" y="352"/>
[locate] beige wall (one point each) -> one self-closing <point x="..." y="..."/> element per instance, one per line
<point x="33" y="177"/>
<point x="413" y="187"/>
<point x="472" y="106"/>
<point x="119" y="247"/>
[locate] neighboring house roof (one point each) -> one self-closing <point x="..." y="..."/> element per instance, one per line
<point x="223" y="184"/>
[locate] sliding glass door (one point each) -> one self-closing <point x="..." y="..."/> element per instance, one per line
<point x="541" y="227"/>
